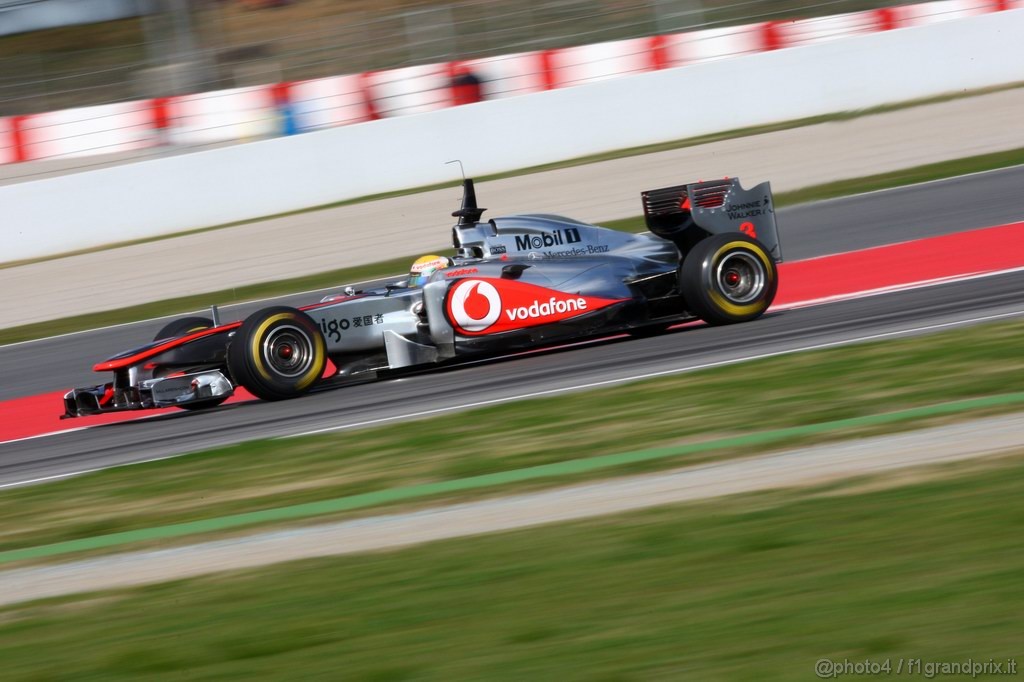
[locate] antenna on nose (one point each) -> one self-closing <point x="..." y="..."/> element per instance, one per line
<point x="469" y="213"/>
<point x="461" y="169"/>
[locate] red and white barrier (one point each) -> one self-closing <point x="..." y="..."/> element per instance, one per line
<point x="224" y="115"/>
<point x="711" y="44"/>
<point x="809" y="31"/>
<point x="944" y="10"/>
<point x="287" y="173"/>
<point x="265" y="111"/>
<point x="409" y="90"/>
<point x="107" y="128"/>
<point x="327" y="102"/>
<point x="590" y="63"/>
<point x="511" y="74"/>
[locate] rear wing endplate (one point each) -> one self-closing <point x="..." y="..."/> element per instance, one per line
<point x="716" y="206"/>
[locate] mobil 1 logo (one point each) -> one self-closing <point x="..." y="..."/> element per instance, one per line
<point x="530" y="242"/>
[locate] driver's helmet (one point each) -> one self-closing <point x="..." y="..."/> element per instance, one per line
<point x="424" y="267"/>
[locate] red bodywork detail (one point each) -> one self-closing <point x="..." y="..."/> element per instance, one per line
<point x="121" y="363"/>
<point x="108" y="395"/>
<point x="711" y="199"/>
<point x="686" y="203"/>
<point x="482" y="306"/>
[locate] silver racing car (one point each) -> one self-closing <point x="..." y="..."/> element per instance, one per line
<point x="514" y="282"/>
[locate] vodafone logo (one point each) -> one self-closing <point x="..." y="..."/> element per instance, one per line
<point x="475" y="305"/>
<point x="491" y="306"/>
<point x="550" y="307"/>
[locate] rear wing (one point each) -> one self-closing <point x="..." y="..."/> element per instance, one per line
<point x="716" y="206"/>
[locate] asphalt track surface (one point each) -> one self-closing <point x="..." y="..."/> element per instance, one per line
<point x="807" y="231"/>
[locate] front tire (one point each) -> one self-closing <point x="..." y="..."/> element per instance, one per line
<point x="277" y="353"/>
<point x="728" y="278"/>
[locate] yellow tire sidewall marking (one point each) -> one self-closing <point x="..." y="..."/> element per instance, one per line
<point x="724" y="304"/>
<point x="315" y="369"/>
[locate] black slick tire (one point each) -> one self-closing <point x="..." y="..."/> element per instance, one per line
<point x="277" y="353"/>
<point x="728" y="278"/>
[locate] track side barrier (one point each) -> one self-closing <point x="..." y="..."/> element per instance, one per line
<point x="278" y="175"/>
<point x="217" y="117"/>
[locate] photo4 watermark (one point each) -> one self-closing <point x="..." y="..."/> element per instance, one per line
<point x="827" y="668"/>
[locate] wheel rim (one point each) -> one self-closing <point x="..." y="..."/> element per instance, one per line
<point x="288" y="350"/>
<point x="741" y="277"/>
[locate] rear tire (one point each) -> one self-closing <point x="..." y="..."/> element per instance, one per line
<point x="728" y="278"/>
<point x="183" y="327"/>
<point x="277" y="353"/>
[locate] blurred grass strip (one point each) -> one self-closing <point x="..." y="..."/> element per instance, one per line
<point x="338" y="278"/>
<point x="553" y="470"/>
<point x="753" y="587"/>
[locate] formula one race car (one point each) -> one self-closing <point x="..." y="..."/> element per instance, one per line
<point x="516" y="282"/>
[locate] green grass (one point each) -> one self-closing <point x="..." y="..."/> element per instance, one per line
<point x="337" y="278"/>
<point x="756" y="587"/>
<point x="807" y="388"/>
